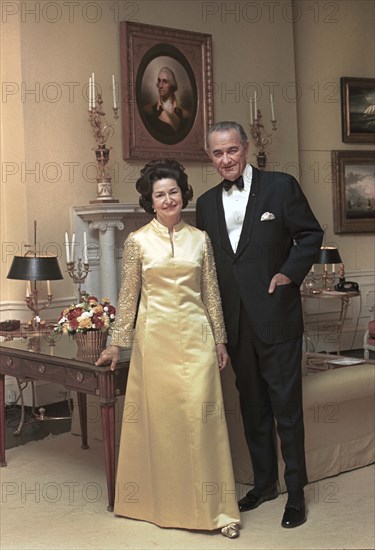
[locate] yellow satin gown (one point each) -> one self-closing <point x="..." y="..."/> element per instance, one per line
<point x="174" y="467"/>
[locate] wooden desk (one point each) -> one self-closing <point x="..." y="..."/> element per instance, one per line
<point x="338" y="325"/>
<point x="35" y="359"/>
<point x="27" y="330"/>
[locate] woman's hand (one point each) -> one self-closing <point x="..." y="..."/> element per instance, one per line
<point x="112" y="353"/>
<point x="222" y="355"/>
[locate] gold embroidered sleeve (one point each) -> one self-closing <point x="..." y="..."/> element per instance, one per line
<point x="211" y="295"/>
<point x="123" y="329"/>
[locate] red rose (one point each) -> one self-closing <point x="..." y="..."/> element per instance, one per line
<point x="97" y="321"/>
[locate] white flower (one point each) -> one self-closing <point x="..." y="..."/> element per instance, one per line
<point x="84" y="315"/>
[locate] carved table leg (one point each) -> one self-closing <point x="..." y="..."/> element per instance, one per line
<point x="82" y="408"/>
<point x="108" y="426"/>
<point x="17" y="431"/>
<point x="2" y="420"/>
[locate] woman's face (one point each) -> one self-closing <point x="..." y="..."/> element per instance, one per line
<point x="167" y="201"/>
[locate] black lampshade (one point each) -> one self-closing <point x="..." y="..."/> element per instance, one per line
<point x="329" y="255"/>
<point x="31" y="268"/>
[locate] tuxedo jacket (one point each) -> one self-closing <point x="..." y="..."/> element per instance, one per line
<point x="287" y="242"/>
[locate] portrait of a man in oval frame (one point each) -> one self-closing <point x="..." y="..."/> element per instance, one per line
<point x="166" y="94"/>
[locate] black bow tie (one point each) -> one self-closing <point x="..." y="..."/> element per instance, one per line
<point x="227" y="184"/>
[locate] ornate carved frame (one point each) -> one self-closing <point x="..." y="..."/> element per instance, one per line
<point x="353" y="205"/>
<point x="190" y="52"/>
<point x="358" y="109"/>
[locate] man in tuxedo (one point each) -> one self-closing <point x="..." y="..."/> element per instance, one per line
<point x="265" y="239"/>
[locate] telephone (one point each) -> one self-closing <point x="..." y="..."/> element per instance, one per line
<point x="347" y="286"/>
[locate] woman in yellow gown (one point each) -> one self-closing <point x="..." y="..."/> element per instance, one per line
<point x="174" y="467"/>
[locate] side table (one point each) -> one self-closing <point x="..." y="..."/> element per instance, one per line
<point x="338" y="325"/>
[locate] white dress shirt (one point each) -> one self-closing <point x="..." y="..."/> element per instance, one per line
<point x="235" y="203"/>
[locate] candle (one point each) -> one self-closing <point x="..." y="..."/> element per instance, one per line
<point x="326" y="268"/>
<point x="312" y="268"/>
<point x="49" y="288"/>
<point x="85" y="260"/>
<point x="28" y="289"/>
<point x="251" y="111"/>
<point x="114" y="92"/>
<point x="93" y="90"/>
<point x="333" y="268"/>
<point x="67" y="247"/>
<point x="90" y="94"/>
<point x="255" y="105"/>
<point x="72" y="247"/>
<point x="272" y="108"/>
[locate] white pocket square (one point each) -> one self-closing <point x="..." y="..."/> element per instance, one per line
<point x="267" y="216"/>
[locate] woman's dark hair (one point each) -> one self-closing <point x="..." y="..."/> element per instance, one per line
<point x="157" y="170"/>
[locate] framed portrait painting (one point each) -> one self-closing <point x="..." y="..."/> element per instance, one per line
<point x="358" y="109"/>
<point x="166" y="82"/>
<point x="353" y="178"/>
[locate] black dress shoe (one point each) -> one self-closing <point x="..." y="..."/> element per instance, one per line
<point x="255" y="497"/>
<point x="293" y="517"/>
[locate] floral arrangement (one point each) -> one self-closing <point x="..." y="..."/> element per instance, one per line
<point x="87" y="316"/>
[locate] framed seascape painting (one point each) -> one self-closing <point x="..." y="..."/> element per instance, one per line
<point x="166" y="82"/>
<point x="353" y="179"/>
<point x="358" y="110"/>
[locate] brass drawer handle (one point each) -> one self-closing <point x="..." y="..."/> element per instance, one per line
<point x="42" y="369"/>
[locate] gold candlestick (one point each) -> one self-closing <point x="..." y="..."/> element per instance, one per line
<point x="102" y="131"/>
<point x="33" y="303"/>
<point x="79" y="274"/>
<point x="261" y="139"/>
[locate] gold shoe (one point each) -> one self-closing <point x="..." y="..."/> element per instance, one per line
<point x="232" y="531"/>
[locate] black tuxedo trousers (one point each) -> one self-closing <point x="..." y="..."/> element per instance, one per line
<point x="269" y="383"/>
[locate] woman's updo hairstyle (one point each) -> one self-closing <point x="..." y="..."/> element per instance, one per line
<point x="157" y="170"/>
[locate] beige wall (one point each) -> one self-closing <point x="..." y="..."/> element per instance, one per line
<point x="254" y="43"/>
<point x="332" y="40"/>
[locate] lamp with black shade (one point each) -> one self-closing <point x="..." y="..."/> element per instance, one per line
<point x="32" y="268"/>
<point x="329" y="257"/>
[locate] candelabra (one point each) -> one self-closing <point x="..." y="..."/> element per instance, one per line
<point x="102" y="131"/>
<point x="318" y="282"/>
<point x="261" y="139"/>
<point x="78" y="273"/>
<point x="33" y="303"/>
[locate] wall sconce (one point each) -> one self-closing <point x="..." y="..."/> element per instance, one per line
<point x="261" y="138"/>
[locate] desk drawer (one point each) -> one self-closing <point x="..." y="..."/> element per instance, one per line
<point x="35" y="370"/>
<point x="81" y="380"/>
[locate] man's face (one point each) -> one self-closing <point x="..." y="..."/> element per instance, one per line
<point x="164" y="86"/>
<point x="228" y="154"/>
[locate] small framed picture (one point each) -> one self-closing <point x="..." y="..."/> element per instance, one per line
<point x="353" y="178"/>
<point x="166" y="92"/>
<point x="358" y="109"/>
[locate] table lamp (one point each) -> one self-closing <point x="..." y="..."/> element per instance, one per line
<point x="329" y="255"/>
<point x="33" y="268"/>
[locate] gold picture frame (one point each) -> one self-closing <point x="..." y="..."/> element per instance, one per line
<point x="152" y="127"/>
<point x="353" y="179"/>
<point x="358" y="109"/>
